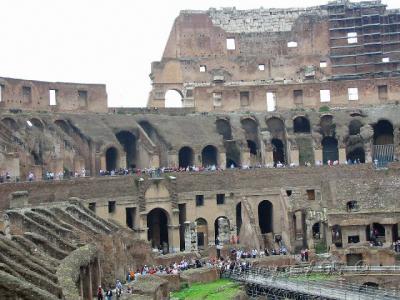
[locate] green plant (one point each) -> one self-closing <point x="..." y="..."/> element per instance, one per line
<point x="324" y="108"/>
<point x="321" y="247"/>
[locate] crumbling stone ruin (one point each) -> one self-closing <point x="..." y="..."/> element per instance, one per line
<point x="297" y="109"/>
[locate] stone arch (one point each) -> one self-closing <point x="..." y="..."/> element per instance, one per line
<point x="186" y="157"/>
<point x="173" y="98"/>
<point x="37" y="123"/>
<point x="369" y="286"/>
<point x="129" y="142"/>
<point x="63" y="125"/>
<point x="265" y="216"/>
<point x="276" y="127"/>
<point x="224" y="128"/>
<point x="278" y="151"/>
<point x="355" y="127"/>
<point x="10" y="123"/>
<point x="111" y="157"/>
<point x="301" y="125"/>
<point x="158" y="221"/>
<point x="37" y="158"/>
<point x="209" y="156"/>
<point x="202" y="233"/>
<point x="222" y="230"/>
<point x="383" y="133"/>
<point x="375" y="233"/>
<point x="330" y="149"/>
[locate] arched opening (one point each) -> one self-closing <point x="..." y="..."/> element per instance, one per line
<point x="276" y="127"/>
<point x="301" y="125"/>
<point x="355" y="127"/>
<point x="232" y="154"/>
<point x="202" y="233"/>
<point x="330" y="149"/>
<point x="369" y="287"/>
<point x="63" y="125"/>
<point x="337" y="236"/>
<point x="209" y="156"/>
<point x="128" y="141"/>
<point x="252" y="147"/>
<point x="238" y="217"/>
<point x="157" y="224"/>
<point x="37" y="123"/>
<point x="222" y="230"/>
<point x="375" y="234"/>
<point x="10" y="123"/>
<point x="111" y="159"/>
<point x="265" y="216"/>
<point x="224" y="129"/>
<point x="316" y="231"/>
<point x="173" y="98"/>
<point x="186" y="157"/>
<point x="383" y="133"/>
<point x="278" y="151"/>
<point x="37" y="158"/>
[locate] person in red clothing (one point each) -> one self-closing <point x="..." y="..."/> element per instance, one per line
<point x="99" y="293"/>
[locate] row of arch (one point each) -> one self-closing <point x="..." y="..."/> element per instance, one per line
<point x="158" y="221"/>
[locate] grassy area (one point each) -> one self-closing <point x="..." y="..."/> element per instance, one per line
<point x="222" y="289"/>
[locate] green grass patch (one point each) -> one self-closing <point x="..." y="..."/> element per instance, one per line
<point x="222" y="289"/>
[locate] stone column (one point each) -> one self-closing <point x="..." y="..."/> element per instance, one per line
<point x="245" y="157"/>
<point x="191" y="236"/>
<point x="388" y="234"/>
<point x="328" y="236"/>
<point x="318" y="155"/>
<point x="90" y="291"/>
<point x="294" y="157"/>
<point x="122" y="160"/>
<point x="173" y="160"/>
<point x="223" y="231"/>
<point x="342" y="155"/>
<point x="173" y="238"/>
<point x="222" y="160"/>
<point x="142" y="226"/>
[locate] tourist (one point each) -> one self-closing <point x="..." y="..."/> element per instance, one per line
<point x="31" y="176"/>
<point x="306" y="254"/>
<point x="99" y="293"/>
<point x="109" y="294"/>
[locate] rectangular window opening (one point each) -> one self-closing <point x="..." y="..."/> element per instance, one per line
<point x="230" y="44"/>
<point x="217" y="99"/>
<point x="353" y="94"/>
<point x="323" y="64"/>
<point x="244" y="98"/>
<point x="352" y="38"/>
<point x="26" y="94"/>
<point x="386" y="59"/>
<point x="382" y="92"/>
<point x="261" y="67"/>
<point x="53" y="97"/>
<point x="92" y="206"/>
<point x="203" y="69"/>
<point x="298" y="96"/>
<point x="220" y="199"/>
<point x="82" y="98"/>
<point x="325" y="95"/>
<point x="292" y="45"/>
<point x="271" y="101"/>
<point x="311" y="194"/>
<point x="111" y="207"/>
<point x="199" y="200"/>
<point x="353" y="239"/>
<point x="130" y="217"/>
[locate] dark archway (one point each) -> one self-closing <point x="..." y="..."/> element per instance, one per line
<point x="330" y="149"/>
<point x="63" y="125"/>
<point x="375" y="233"/>
<point x="186" y="157"/>
<point x="355" y="127"/>
<point x="202" y="233"/>
<point x="316" y="231"/>
<point x="238" y="217"/>
<point x="337" y="236"/>
<point x="369" y="287"/>
<point x="383" y="133"/>
<point x="209" y="156"/>
<point x="265" y="216"/>
<point x="111" y="159"/>
<point x="10" y="123"/>
<point x="128" y="141"/>
<point x="37" y="158"/>
<point x="224" y="129"/>
<point x="278" y="151"/>
<point x="358" y="154"/>
<point x="301" y="125"/>
<point x="327" y="127"/>
<point x="37" y="123"/>
<point x="157" y="224"/>
<point x="252" y="147"/>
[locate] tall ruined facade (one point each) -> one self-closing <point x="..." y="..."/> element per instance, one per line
<point x="259" y="88"/>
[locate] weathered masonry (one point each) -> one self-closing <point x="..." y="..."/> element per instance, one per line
<point x="341" y="54"/>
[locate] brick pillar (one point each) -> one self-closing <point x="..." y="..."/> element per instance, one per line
<point x="342" y="155"/>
